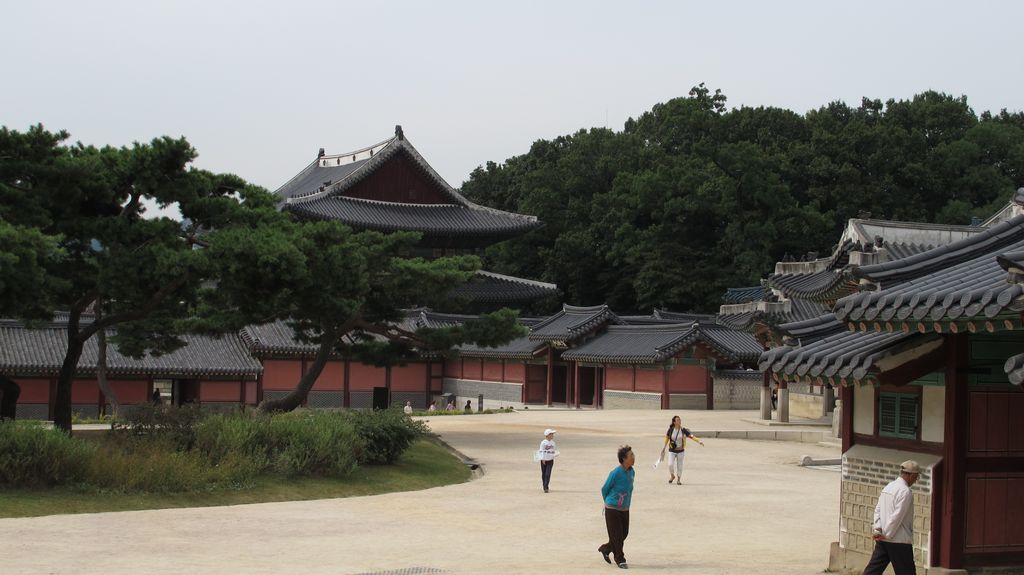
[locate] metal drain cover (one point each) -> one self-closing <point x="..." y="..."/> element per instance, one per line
<point x="407" y="571"/>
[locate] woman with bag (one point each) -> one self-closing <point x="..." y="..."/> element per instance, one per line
<point x="675" y="442"/>
<point x="546" y="454"/>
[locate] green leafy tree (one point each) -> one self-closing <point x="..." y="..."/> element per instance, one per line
<point x="344" y="291"/>
<point x="82" y="245"/>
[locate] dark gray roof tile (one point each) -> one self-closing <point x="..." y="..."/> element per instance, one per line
<point x="42" y="351"/>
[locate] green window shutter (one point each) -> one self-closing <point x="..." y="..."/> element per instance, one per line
<point x="907" y="421"/>
<point x="888" y="406"/>
<point x="897" y="415"/>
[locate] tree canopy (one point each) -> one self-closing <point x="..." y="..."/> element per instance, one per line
<point x="75" y="241"/>
<point x="691" y="197"/>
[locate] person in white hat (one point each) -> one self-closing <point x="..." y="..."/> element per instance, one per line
<point x="893" y="526"/>
<point x="547" y="454"/>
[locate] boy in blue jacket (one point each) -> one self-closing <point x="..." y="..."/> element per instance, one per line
<point x="617" y="492"/>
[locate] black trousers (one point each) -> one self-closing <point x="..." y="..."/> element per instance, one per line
<point x="901" y="555"/>
<point x="545" y="472"/>
<point x="617" y="523"/>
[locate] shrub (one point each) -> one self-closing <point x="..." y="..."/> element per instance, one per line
<point x="301" y="443"/>
<point x="386" y="433"/>
<point x="171" y="423"/>
<point x="155" y="467"/>
<point x="32" y="455"/>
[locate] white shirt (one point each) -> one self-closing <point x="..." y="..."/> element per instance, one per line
<point x="407" y="409"/>
<point x="547" y="450"/>
<point x="894" y="514"/>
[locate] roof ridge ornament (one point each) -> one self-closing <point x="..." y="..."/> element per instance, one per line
<point x="398" y="132"/>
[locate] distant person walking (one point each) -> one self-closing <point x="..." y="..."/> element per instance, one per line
<point x="893" y="527"/>
<point x="156" y="399"/>
<point x="408" y="408"/>
<point x="617" y="493"/>
<point x="675" y="442"/>
<point x="547" y="454"/>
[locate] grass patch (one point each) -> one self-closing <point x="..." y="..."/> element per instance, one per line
<point x="426" y="464"/>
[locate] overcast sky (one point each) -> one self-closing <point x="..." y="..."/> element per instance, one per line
<point x="257" y="87"/>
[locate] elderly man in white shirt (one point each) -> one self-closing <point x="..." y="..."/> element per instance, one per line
<point x="893" y="527"/>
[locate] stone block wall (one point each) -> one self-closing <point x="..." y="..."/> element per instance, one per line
<point x="360" y="399"/>
<point x="417" y="398"/>
<point x="325" y="399"/>
<point x="737" y="389"/>
<point x="32" y="411"/>
<point x="632" y="400"/>
<point x="866" y="471"/>
<point x="495" y="394"/>
<point x="687" y="401"/>
<point x="806" y="405"/>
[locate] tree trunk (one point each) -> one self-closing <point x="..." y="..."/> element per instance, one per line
<point x="101" y="366"/>
<point x="9" y="392"/>
<point x="62" y="401"/>
<point x="298" y="395"/>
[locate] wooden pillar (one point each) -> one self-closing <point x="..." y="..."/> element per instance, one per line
<point x="576" y="383"/>
<point x="846" y="421"/>
<point x="550" y="376"/>
<point x="387" y="382"/>
<point x="569" y="382"/>
<point x="954" y="456"/>
<point x="597" y="386"/>
<point x="664" y="389"/>
<point x="430" y="383"/>
<point x="709" y="384"/>
<point x="345" y="395"/>
<point x="526" y="381"/>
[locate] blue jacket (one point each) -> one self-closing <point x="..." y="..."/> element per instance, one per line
<point x="618" y="489"/>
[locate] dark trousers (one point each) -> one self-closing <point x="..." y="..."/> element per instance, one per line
<point x="617" y="523"/>
<point x="545" y="472"/>
<point x="901" y="555"/>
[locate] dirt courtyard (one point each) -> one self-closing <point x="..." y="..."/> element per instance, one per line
<point x="744" y="507"/>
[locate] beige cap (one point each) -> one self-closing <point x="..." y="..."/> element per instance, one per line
<point x="910" y="466"/>
<point x="548" y="431"/>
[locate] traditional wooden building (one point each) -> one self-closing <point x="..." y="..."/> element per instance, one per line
<point x="207" y="371"/>
<point x="390" y="187"/>
<point x="927" y="356"/>
<point x="798" y="293"/>
<point x="593" y="357"/>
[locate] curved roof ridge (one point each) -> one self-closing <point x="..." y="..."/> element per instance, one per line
<point x="991" y="239"/>
<point x="517" y="279"/>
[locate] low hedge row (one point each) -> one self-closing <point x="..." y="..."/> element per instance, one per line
<point x="169" y="449"/>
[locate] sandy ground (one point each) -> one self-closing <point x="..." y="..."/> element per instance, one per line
<point x="744" y="507"/>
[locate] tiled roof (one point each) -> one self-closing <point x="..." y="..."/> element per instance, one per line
<point x="684" y="317"/>
<point x="812" y="329"/>
<point x="428" y="219"/>
<point x="959" y="281"/>
<point x="745" y="316"/>
<point x="42" y="350"/>
<point x="841" y="356"/>
<point x="521" y="348"/>
<point x="633" y="344"/>
<point x="816" y="285"/>
<point x="573" y="323"/>
<point x="744" y="294"/>
<point x="1014" y="368"/>
<point x="648" y="344"/>
<point x="317" y="192"/>
<point x="489" y="287"/>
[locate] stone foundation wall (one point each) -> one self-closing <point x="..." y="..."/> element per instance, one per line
<point x="496" y="394"/>
<point x="614" y="399"/>
<point x="687" y="401"/>
<point x="737" y="389"/>
<point x="417" y="398"/>
<point x="866" y="470"/>
<point x="806" y="405"/>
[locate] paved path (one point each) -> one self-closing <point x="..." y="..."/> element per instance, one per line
<point x="744" y="507"/>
